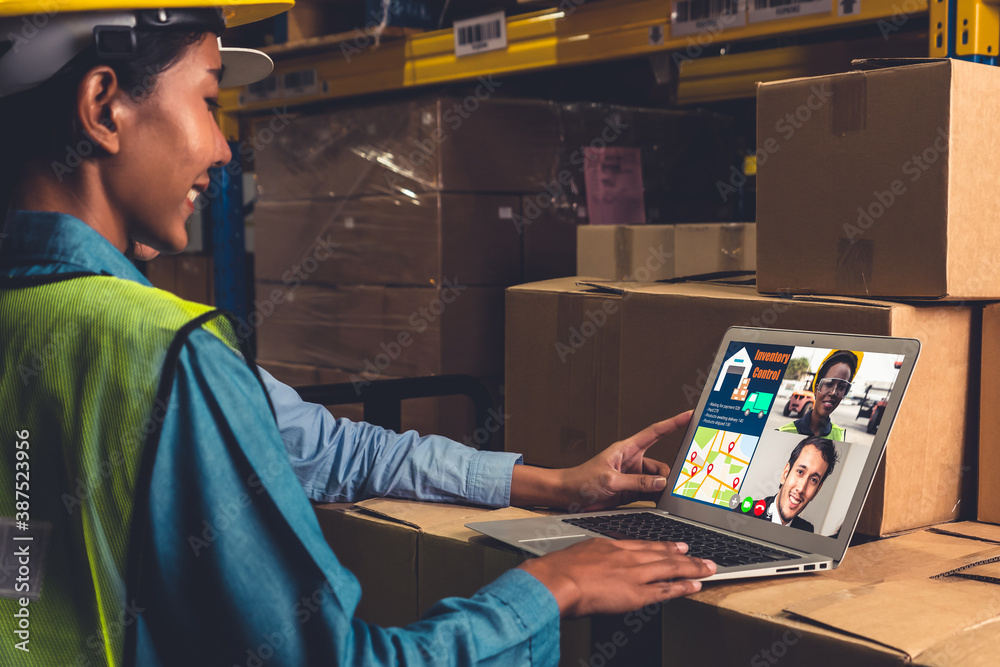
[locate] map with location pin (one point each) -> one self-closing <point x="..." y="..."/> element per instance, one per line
<point x="715" y="465"/>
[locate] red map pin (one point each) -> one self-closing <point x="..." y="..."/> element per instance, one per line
<point x="694" y="455"/>
<point x="736" y="482"/>
<point x="731" y="445"/>
<point x="710" y="466"/>
<point x="694" y="470"/>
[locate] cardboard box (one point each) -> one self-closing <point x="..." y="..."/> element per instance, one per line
<point x="549" y="241"/>
<point x="562" y="371"/>
<point x="451" y="416"/>
<point x="390" y="240"/>
<point x="989" y="418"/>
<point x="899" y="601"/>
<point x="683" y="156"/>
<point x="430" y="555"/>
<point x="660" y="252"/>
<point x="670" y="333"/>
<point x="188" y="275"/>
<point x="384" y="331"/>
<point x="471" y="144"/>
<point x="863" y="191"/>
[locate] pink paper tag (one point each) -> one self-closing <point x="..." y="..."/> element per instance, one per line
<point x="614" y="186"/>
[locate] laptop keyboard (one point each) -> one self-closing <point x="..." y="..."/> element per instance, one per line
<point x="725" y="550"/>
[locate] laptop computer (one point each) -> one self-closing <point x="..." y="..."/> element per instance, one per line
<point x="753" y="487"/>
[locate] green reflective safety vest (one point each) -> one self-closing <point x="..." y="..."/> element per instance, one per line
<point x="86" y="367"/>
<point x="837" y="433"/>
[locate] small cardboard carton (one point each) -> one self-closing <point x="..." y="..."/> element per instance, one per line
<point x="660" y="252"/>
<point x="880" y="181"/>
<point x="383" y="331"/>
<point x="415" y="239"/>
<point x="989" y="418"/>
<point x="925" y="598"/>
<point x="409" y="555"/>
<point x="562" y="373"/>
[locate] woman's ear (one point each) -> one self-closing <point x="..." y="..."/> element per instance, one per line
<point x="99" y="109"/>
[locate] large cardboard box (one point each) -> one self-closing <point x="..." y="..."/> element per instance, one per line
<point x="562" y="376"/>
<point x="880" y="182"/>
<point x="415" y="240"/>
<point x="660" y="252"/>
<point x="188" y="275"/>
<point x="472" y="144"/>
<point x="927" y="598"/>
<point x="432" y="556"/>
<point x="989" y="418"/>
<point x="670" y="333"/>
<point x="383" y="331"/>
<point x="452" y="416"/>
<point x="683" y="156"/>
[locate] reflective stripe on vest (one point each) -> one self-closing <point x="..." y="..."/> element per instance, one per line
<point x="86" y="366"/>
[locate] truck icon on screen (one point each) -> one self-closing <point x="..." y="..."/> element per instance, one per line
<point x="759" y="402"/>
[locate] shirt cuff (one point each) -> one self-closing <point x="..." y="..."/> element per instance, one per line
<point x="535" y="608"/>
<point x="489" y="478"/>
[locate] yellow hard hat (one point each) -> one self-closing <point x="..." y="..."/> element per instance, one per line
<point x="236" y="12"/>
<point x="37" y="38"/>
<point x="858" y="356"/>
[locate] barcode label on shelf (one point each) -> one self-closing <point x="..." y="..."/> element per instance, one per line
<point x="483" y="33"/>
<point x="301" y="82"/>
<point x="769" y="10"/>
<point x="690" y="17"/>
<point x="262" y="90"/>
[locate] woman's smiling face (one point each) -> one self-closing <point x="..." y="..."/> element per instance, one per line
<point x="169" y="139"/>
<point x="827" y="399"/>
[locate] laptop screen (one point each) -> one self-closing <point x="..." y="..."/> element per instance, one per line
<point x="786" y="431"/>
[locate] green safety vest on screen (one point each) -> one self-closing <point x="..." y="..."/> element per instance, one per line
<point x="837" y="433"/>
<point x="86" y="367"/>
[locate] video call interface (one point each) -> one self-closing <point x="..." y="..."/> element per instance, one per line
<point x="786" y="432"/>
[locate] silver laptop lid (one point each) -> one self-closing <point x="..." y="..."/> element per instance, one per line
<point x="745" y="464"/>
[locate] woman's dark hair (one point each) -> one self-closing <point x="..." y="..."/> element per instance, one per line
<point x="838" y="357"/>
<point x="40" y="123"/>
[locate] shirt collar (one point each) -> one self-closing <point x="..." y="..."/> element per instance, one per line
<point x="63" y="242"/>
<point x="803" y="425"/>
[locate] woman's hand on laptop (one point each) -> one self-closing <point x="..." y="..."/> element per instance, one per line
<point x="618" y="475"/>
<point x="602" y="576"/>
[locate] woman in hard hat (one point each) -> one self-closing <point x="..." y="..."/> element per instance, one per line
<point x="148" y="499"/>
<point x="831" y="384"/>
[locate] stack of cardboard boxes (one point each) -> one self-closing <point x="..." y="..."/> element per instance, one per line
<point x="875" y="215"/>
<point x="385" y="235"/>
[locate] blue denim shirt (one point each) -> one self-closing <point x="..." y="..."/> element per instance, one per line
<point x="239" y="570"/>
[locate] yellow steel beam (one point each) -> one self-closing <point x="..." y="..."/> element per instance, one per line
<point x="938" y="29"/>
<point x="592" y="32"/>
<point x="734" y="76"/>
<point x="977" y="28"/>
